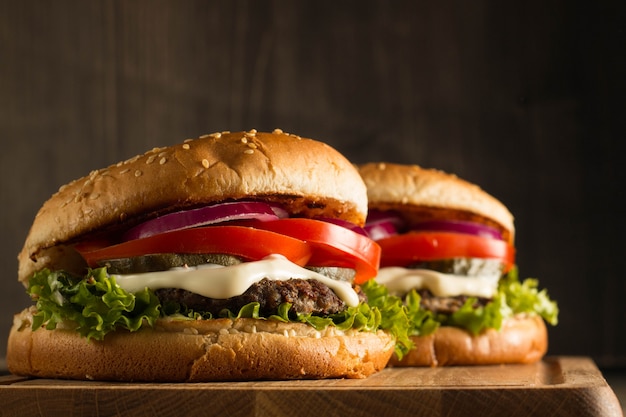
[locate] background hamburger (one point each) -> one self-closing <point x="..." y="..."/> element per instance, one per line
<point x="448" y="251"/>
<point x="231" y="256"/>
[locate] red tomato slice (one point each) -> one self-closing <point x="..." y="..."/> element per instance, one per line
<point x="331" y="244"/>
<point x="245" y="242"/>
<point x="404" y="249"/>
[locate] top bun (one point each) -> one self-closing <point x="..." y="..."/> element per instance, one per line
<point x="308" y="177"/>
<point x="420" y="194"/>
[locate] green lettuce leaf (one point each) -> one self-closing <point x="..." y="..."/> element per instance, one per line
<point x="393" y="315"/>
<point x="477" y="319"/>
<point x="513" y="297"/>
<point x="97" y="306"/>
<point x="423" y="322"/>
<point x="525" y="297"/>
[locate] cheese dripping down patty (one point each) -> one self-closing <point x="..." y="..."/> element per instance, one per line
<point x="217" y="281"/>
<point x="400" y="281"/>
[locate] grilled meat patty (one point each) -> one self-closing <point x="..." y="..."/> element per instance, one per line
<point x="306" y="296"/>
<point x="447" y="305"/>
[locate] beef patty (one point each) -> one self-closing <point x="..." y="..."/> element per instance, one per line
<point x="306" y="296"/>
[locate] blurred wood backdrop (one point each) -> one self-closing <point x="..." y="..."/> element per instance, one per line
<point x="524" y="98"/>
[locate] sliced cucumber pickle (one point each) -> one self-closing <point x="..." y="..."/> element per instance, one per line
<point x="165" y="261"/>
<point x="336" y="273"/>
<point x="470" y="267"/>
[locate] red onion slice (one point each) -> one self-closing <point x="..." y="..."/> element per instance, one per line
<point x="459" y="226"/>
<point x="205" y="216"/>
<point x="344" y="223"/>
<point x="382" y="224"/>
<point x="381" y="230"/>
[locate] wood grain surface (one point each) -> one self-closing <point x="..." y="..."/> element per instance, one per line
<point x="558" y="386"/>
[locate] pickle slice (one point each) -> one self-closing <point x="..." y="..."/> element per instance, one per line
<point x="470" y="267"/>
<point x="165" y="261"/>
<point x="334" y="272"/>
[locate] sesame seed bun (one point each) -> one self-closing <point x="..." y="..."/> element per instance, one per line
<point x="302" y="174"/>
<point x="306" y="177"/>
<point x="420" y="194"/>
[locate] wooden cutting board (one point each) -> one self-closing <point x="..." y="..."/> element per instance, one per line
<point x="557" y="386"/>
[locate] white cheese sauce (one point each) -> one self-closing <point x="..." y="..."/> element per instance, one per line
<point x="217" y="281"/>
<point x="400" y="280"/>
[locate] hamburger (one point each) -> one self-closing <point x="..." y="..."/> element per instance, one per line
<point x="448" y="251"/>
<point x="232" y="256"/>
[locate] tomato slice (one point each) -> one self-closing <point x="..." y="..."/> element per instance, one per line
<point x="331" y="244"/>
<point x="245" y="242"/>
<point x="404" y="249"/>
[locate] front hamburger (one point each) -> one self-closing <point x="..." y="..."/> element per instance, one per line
<point x="229" y="257"/>
<point x="448" y="251"/>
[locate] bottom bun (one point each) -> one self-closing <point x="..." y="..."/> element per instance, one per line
<point x="520" y="340"/>
<point x="195" y="351"/>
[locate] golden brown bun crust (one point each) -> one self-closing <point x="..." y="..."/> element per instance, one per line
<point x="422" y="194"/>
<point x="309" y="177"/>
<point x="212" y="351"/>
<point x="521" y="340"/>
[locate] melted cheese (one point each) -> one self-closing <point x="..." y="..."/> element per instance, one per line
<point x="399" y="281"/>
<point x="217" y="281"/>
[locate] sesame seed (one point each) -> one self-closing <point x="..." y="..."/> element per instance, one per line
<point x="162" y="161"/>
<point x="244" y="140"/>
<point x="188" y="140"/>
<point x="63" y="187"/>
<point x="216" y="135"/>
<point x="251" y="133"/>
<point x="203" y="136"/>
<point x="186" y="146"/>
<point x="138" y="173"/>
<point x="249" y="151"/>
<point x="124" y="171"/>
<point x="150" y="159"/>
<point x="162" y="154"/>
<point x="205" y="163"/>
<point x="94" y="196"/>
<point x="278" y="131"/>
<point x="252" y="145"/>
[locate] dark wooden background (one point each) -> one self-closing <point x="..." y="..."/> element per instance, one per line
<point x="524" y="98"/>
